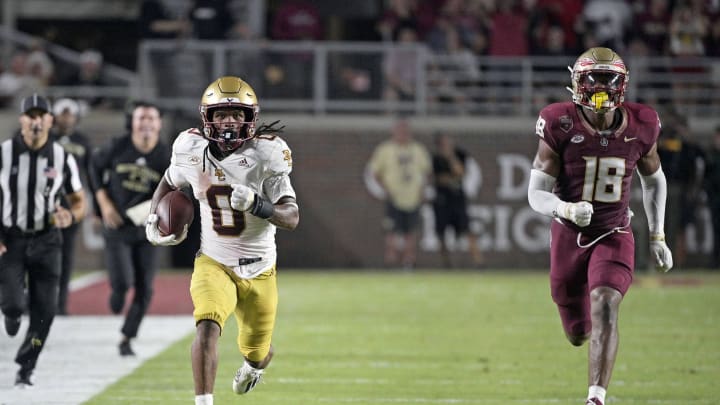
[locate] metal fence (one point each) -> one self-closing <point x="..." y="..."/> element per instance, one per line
<point x="332" y="77"/>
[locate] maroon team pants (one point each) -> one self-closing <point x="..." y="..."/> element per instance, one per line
<point x="575" y="271"/>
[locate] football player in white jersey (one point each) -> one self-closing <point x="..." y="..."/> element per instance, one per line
<point x="239" y="173"/>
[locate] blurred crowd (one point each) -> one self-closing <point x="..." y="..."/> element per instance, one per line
<point x="559" y="27"/>
<point x="459" y="30"/>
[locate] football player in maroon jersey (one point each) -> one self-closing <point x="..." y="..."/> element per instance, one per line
<point x="587" y="152"/>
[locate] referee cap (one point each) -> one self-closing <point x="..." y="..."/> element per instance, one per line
<point x="34" y="102"/>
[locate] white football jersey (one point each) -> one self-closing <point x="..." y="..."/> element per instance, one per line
<point x="228" y="236"/>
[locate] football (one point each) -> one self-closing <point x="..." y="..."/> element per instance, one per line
<point x="174" y="211"/>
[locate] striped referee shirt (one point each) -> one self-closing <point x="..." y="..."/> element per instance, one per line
<point x="32" y="181"/>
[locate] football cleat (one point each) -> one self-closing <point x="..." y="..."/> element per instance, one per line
<point x="22" y="379"/>
<point x="246" y="379"/>
<point x="12" y="325"/>
<point x="126" y="349"/>
<point x="593" y="401"/>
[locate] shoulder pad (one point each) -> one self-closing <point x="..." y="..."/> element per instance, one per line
<point x="276" y="152"/>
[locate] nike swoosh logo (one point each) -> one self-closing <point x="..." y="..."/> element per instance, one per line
<point x="626" y="139"/>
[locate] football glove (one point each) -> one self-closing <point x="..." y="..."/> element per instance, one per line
<point x="660" y="253"/>
<point x="242" y="197"/>
<point x="579" y="213"/>
<point x="152" y="233"/>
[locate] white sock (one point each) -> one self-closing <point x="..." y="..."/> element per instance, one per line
<point x="596" y="391"/>
<point x="204" y="399"/>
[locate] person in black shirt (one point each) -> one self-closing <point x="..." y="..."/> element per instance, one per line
<point x="712" y="189"/>
<point x="35" y="172"/>
<point x="684" y="164"/>
<point x="450" y="204"/>
<point x="124" y="173"/>
<point x="154" y="22"/>
<point x="64" y="132"/>
<point x="211" y="19"/>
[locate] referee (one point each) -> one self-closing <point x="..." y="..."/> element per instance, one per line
<point x="35" y="173"/>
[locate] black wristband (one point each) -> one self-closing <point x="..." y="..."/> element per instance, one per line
<point x="262" y="208"/>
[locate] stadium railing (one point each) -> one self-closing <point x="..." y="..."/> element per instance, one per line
<point x="334" y="77"/>
<point x="355" y="78"/>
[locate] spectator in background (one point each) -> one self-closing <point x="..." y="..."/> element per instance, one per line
<point x="155" y="22"/>
<point x="401" y="166"/>
<point x="89" y="73"/>
<point x="607" y="21"/>
<point x="39" y="64"/>
<point x="297" y="20"/>
<point x="508" y="32"/>
<point x="65" y="133"/>
<point x="16" y="83"/>
<point x="712" y="188"/>
<point x="450" y="205"/>
<point x="563" y="13"/>
<point x="398" y="12"/>
<point x="688" y="29"/>
<point x="712" y="41"/>
<point x="124" y="173"/>
<point x="684" y="165"/>
<point x="399" y="66"/>
<point x="653" y="27"/>
<point x="169" y="65"/>
<point x="454" y="69"/>
<point x="210" y="19"/>
<point x="249" y="17"/>
<point x="290" y="74"/>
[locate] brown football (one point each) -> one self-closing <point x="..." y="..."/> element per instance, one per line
<point x="174" y="211"/>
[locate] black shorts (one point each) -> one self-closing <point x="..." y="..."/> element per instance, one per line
<point x="400" y="221"/>
<point x="451" y="211"/>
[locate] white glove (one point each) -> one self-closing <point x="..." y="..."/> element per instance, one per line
<point x="660" y="252"/>
<point x="152" y="233"/>
<point x="242" y="197"/>
<point x="579" y="213"/>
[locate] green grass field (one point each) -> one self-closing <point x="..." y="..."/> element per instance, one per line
<point x="455" y="338"/>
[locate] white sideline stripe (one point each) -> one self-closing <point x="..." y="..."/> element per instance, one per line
<point x="81" y="357"/>
<point x="485" y="401"/>
<point x="447" y="401"/>
<point x="87" y="280"/>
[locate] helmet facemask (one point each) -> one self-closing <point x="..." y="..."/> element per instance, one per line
<point x="229" y="136"/>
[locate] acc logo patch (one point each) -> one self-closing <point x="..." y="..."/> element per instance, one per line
<point x="566" y="123"/>
<point x="577" y="138"/>
<point x="194" y="160"/>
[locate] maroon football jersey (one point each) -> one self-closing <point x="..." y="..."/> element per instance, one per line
<point x="598" y="167"/>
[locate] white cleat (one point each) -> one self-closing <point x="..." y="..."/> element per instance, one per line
<point x="246" y="379"/>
